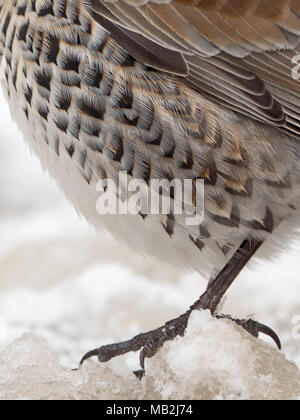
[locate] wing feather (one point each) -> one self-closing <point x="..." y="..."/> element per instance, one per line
<point x="247" y="46"/>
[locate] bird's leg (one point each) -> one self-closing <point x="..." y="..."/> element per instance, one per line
<point x="149" y="343"/>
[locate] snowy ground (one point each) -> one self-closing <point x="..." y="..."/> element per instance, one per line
<point x="76" y="289"/>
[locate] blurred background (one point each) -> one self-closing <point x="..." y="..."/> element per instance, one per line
<point x="80" y="289"/>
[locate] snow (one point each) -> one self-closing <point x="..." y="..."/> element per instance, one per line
<point x="70" y="290"/>
<point x="215" y="360"/>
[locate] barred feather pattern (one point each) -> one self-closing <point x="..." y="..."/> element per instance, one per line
<point x="89" y="110"/>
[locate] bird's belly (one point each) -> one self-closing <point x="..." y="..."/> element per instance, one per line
<point x="147" y="235"/>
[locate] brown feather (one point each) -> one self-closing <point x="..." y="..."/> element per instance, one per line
<point x="238" y="52"/>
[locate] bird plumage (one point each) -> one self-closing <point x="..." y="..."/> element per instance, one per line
<point x="247" y="46"/>
<point x="206" y="93"/>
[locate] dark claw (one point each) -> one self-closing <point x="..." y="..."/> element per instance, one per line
<point x="88" y="356"/>
<point x="139" y="374"/>
<point x="261" y="328"/>
<point x="254" y="328"/>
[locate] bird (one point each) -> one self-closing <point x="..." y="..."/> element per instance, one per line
<point x="196" y="90"/>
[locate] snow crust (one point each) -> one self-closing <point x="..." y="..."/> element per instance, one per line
<point x="215" y="360"/>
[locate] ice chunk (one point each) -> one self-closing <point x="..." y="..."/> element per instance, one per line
<point x="215" y="360"/>
<point x="219" y="360"/>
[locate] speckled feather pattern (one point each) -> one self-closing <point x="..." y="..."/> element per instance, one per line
<point x="89" y="110"/>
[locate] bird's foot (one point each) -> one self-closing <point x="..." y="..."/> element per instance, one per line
<point x="149" y="343"/>
<point x="254" y="328"/>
